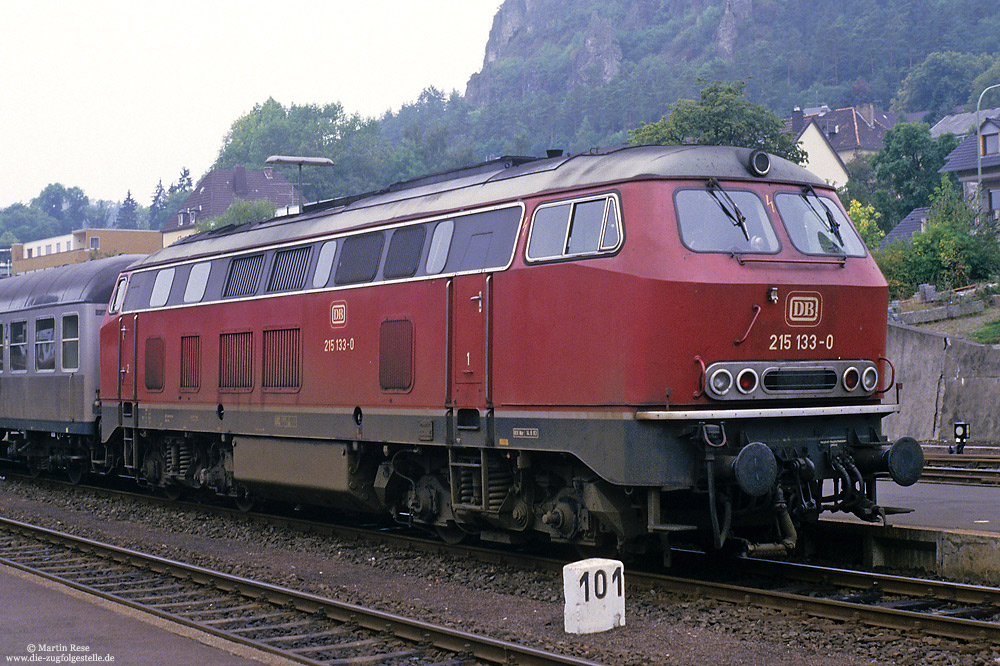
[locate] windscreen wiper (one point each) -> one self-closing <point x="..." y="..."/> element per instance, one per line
<point x="834" y="225"/>
<point x="737" y="217"/>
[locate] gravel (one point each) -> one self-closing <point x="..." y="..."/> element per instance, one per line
<point x="510" y="604"/>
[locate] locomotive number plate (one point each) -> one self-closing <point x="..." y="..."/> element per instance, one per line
<point x="801" y="342"/>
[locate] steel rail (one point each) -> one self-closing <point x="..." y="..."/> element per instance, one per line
<point x="961" y="469"/>
<point x="411" y="630"/>
<point x="951" y="627"/>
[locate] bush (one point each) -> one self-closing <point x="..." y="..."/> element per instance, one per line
<point x="954" y="250"/>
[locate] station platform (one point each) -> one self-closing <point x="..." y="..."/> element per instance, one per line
<point x="44" y="622"/>
<point x="943" y="506"/>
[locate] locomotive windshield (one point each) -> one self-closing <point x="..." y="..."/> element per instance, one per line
<point x="735" y="222"/>
<point x="816" y="225"/>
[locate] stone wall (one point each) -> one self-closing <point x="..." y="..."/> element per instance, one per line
<point x="944" y="380"/>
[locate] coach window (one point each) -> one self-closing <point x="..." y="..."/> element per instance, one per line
<point x="3" y="345"/>
<point x="324" y="264"/>
<point x="45" y="344"/>
<point x="437" y="256"/>
<point x="19" y="346"/>
<point x="724" y="220"/>
<point x="70" y="342"/>
<point x="816" y="225"/>
<point x="194" y="291"/>
<point x="161" y="288"/>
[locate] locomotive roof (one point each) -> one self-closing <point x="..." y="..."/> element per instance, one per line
<point x="505" y="179"/>
<point x="87" y="282"/>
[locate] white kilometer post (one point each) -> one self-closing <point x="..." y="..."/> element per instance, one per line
<point x="594" y="590"/>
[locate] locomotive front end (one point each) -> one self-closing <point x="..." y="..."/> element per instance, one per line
<point x="783" y="380"/>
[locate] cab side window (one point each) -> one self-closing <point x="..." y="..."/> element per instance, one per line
<point x="576" y="228"/>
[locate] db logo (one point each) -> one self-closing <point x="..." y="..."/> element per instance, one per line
<point x="803" y="308"/>
<point x="338" y="314"/>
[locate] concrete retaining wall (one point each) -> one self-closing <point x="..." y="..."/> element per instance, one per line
<point x="944" y="380"/>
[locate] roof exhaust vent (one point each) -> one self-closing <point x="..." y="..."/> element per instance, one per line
<point x="759" y="163"/>
<point x="553" y="152"/>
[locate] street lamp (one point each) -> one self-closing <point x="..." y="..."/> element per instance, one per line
<point x="979" y="151"/>
<point x="307" y="161"/>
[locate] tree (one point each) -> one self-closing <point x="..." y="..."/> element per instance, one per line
<point x="157" y="208"/>
<point x="28" y="223"/>
<point x="865" y="219"/>
<point x="990" y="77"/>
<point x="906" y="169"/>
<point x="240" y="212"/>
<point x="722" y="116"/>
<point x="128" y="214"/>
<point x="67" y="205"/>
<point x="183" y="183"/>
<point x="940" y="83"/>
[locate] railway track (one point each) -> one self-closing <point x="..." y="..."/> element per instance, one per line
<point x="302" y="627"/>
<point x="924" y="606"/>
<point x="939" y="608"/>
<point x="978" y="470"/>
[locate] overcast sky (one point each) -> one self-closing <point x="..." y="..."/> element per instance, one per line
<point x="112" y="96"/>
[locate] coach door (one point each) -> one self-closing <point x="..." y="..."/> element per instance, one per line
<point x="470" y="356"/>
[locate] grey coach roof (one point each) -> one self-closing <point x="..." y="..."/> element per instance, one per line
<point x="506" y="181"/>
<point x="87" y="282"/>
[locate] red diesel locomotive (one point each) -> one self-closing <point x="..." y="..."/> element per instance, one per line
<point x="594" y="349"/>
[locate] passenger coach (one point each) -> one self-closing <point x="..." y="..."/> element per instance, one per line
<point x="49" y="323"/>
<point x="596" y="348"/>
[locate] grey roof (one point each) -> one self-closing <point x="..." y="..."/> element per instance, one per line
<point x="87" y="282"/>
<point x="963" y="158"/>
<point x="961" y="124"/>
<point x="506" y="179"/>
<point x="909" y="225"/>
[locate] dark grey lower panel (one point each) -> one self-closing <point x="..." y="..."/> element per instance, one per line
<point x="615" y="445"/>
<point x="55" y="427"/>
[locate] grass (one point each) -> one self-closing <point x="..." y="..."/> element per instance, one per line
<point x="988" y="333"/>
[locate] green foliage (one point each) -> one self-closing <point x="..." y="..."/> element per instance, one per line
<point x="906" y="169"/>
<point x="865" y="219"/>
<point x="952" y="252"/>
<point x="990" y="77"/>
<point x="128" y="214"/>
<point x="722" y="116"/>
<point x="240" y="212"/>
<point x="940" y="83"/>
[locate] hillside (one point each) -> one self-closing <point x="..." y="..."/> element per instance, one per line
<point x="576" y="71"/>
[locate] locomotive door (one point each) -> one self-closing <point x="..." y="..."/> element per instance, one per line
<point x="470" y="354"/>
<point x="127" y="356"/>
<point x="128" y="340"/>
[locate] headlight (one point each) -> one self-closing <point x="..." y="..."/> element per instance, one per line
<point x="869" y="380"/>
<point x="721" y="381"/>
<point x="851" y="378"/>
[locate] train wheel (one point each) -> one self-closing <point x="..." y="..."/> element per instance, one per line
<point x="173" y="492"/>
<point x="75" y="473"/>
<point x="451" y="533"/>
<point x="244" y="499"/>
<point x="34" y="470"/>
